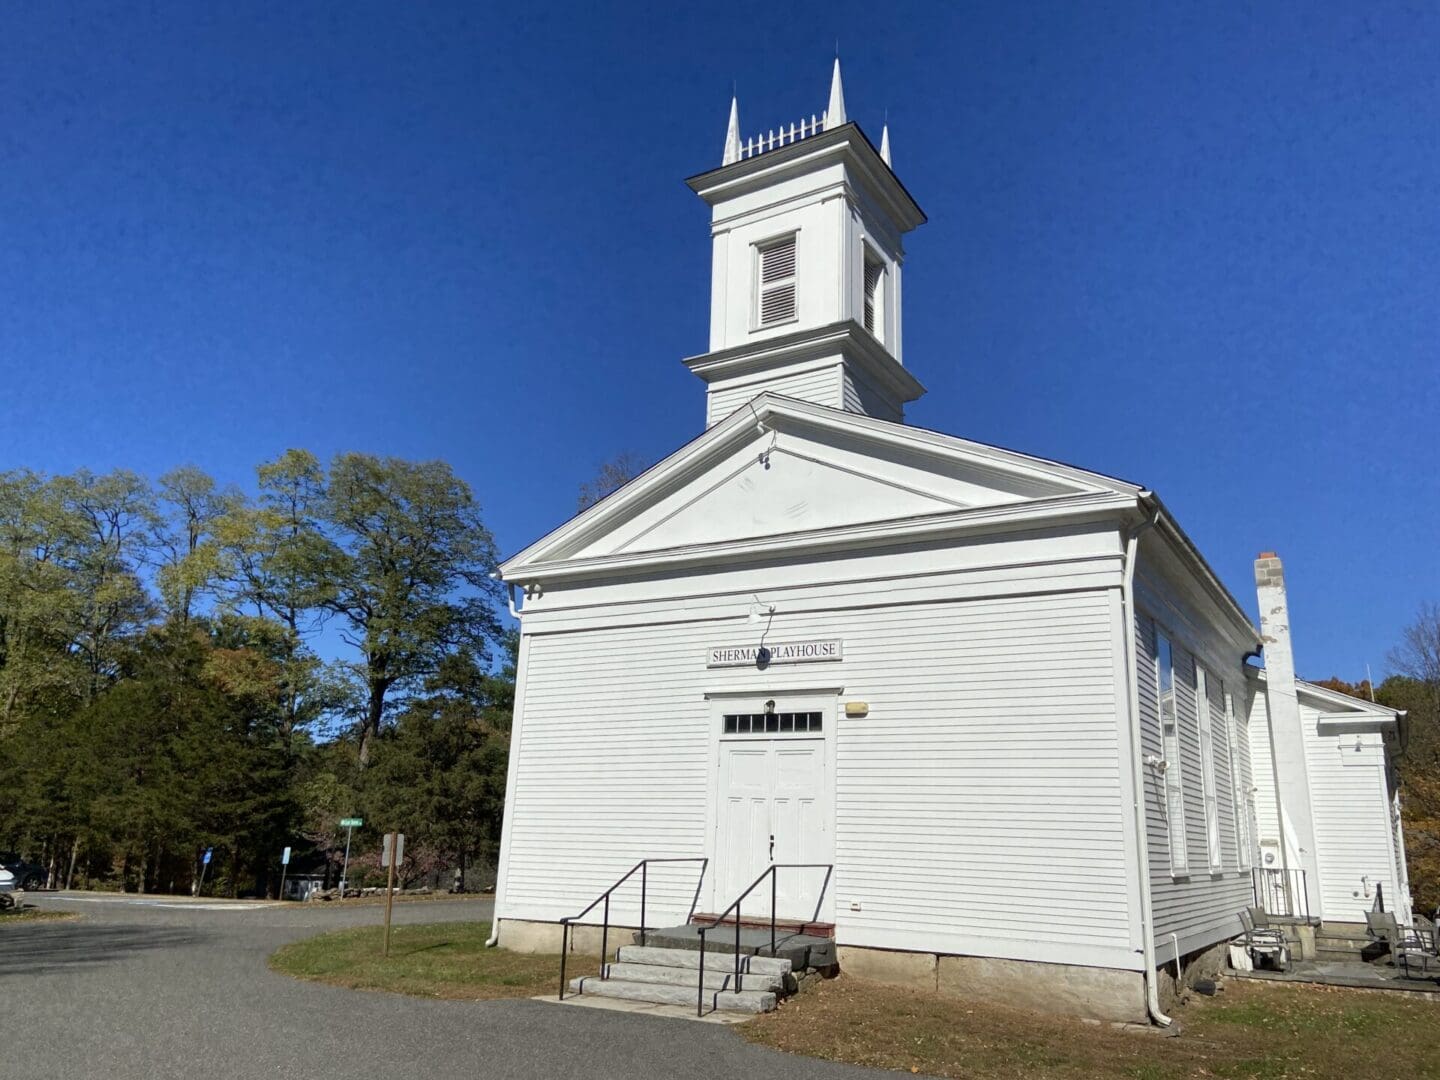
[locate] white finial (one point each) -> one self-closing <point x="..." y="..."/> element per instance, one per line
<point x="885" y="144"/>
<point x="835" y="114"/>
<point x="732" y="134"/>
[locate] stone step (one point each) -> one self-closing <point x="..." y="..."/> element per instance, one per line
<point x="802" y="950"/>
<point x="690" y="959"/>
<point x="716" y="978"/>
<point x="751" y="1001"/>
<point x="1327" y="942"/>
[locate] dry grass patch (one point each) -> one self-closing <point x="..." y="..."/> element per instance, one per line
<point x="1252" y="1029"/>
<point x="30" y="913"/>
<point x="436" y="960"/>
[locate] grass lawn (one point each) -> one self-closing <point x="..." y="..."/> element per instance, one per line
<point x="438" y="960"/>
<point x="1249" y="1030"/>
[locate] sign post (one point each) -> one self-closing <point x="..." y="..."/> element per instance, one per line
<point x="350" y="824"/>
<point x="390" y="855"/>
<point x="204" y="865"/>
<point x="284" y="866"/>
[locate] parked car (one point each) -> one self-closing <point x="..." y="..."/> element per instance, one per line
<point x="28" y="875"/>
<point x="10" y="894"/>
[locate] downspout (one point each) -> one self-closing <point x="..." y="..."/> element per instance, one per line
<point x="494" y="938"/>
<point x="1137" y="778"/>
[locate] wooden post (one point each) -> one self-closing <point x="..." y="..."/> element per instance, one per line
<point x="389" y="891"/>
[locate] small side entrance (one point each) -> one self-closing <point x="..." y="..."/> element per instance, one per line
<point x="774" y="804"/>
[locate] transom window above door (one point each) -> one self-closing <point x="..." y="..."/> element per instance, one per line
<point x="770" y="723"/>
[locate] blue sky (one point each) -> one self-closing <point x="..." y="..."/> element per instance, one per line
<point x="1195" y="248"/>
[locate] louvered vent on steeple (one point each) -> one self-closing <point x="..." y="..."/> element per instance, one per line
<point x="777" y="282"/>
<point x="873" y="272"/>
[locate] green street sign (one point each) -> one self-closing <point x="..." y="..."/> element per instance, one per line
<point x="351" y="822"/>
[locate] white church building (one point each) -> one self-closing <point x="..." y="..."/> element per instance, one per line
<point x="989" y="713"/>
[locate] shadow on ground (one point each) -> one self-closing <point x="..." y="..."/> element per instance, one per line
<point x="41" y="948"/>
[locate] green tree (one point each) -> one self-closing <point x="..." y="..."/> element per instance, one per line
<point x="191" y="504"/>
<point x="439" y="774"/>
<point x="406" y="568"/>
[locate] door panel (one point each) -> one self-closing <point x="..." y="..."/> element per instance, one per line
<point x="772" y="788"/>
<point x="744" y="817"/>
<point x="798" y="822"/>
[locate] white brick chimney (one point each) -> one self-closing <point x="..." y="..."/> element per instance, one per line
<point x="1287" y="736"/>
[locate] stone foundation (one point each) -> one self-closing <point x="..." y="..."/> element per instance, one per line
<point x="1064" y="989"/>
<point x="1208" y="963"/>
<point x="523" y="936"/>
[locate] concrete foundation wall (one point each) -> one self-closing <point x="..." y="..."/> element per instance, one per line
<point x="1066" y="989"/>
<point x="523" y="936"/>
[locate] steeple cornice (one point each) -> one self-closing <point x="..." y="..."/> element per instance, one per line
<point x="847" y="142"/>
<point x="846" y="339"/>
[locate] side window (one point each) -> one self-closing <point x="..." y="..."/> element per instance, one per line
<point x="1207" y="766"/>
<point x="776" y="298"/>
<point x="1170" y="748"/>
<point x="1239" y="796"/>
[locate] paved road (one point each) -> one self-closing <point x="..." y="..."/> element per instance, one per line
<point x="139" y="991"/>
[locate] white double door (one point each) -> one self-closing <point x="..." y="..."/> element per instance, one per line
<point x="774" y="807"/>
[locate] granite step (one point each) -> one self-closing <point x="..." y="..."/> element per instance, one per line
<point x="802" y="950"/>
<point x="690" y="959"/>
<point x="722" y="978"/>
<point x="750" y="1001"/>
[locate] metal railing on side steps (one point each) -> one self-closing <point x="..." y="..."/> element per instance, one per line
<point x="1281" y="891"/>
<point x="643" y="869"/>
<point x="771" y="873"/>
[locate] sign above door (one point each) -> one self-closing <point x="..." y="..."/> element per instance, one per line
<point x="785" y="652"/>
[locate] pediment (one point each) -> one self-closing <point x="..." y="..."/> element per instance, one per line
<point x="785" y="467"/>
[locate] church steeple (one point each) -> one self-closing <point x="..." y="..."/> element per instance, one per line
<point x="807" y="222"/>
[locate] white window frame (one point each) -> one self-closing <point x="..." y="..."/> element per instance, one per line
<point x="1170" y="750"/>
<point x="1206" y="731"/>
<point x="762" y="286"/>
<point x="1239" y="794"/>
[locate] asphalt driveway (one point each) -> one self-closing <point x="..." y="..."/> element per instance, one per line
<point x="149" y="989"/>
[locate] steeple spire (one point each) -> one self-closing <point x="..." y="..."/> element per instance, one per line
<point x="732" y="134"/>
<point x="835" y="113"/>
<point x="885" y="144"/>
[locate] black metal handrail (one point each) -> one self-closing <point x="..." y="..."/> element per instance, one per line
<point x="1281" y="891"/>
<point x="643" y="866"/>
<point x="770" y="872"/>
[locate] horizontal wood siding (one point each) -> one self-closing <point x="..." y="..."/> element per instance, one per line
<point x="979" y="807"/>
<point x="1202" y="904"/>
<point x="612" y="769"/>
<point x="1351" y="804"/>
<point x="820" y="385"/>
<point x="1262" y="761"/>
<point x="978" y="804"/>
<point x="861" y="397"/>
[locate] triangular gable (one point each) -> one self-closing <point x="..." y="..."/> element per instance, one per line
<point x="1337" y="708"/>
<point x="780" y="467"/>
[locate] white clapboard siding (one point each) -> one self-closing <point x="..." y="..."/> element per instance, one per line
<point x="1351" y="805"/>
<point x="978" y="805"/>
<point x="1262" y="766"/>
<point x="1202" y="905"/>
<point x="1245" y="790"/>
<point x="860" y="397"/>
<point x="820" y="385"/>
